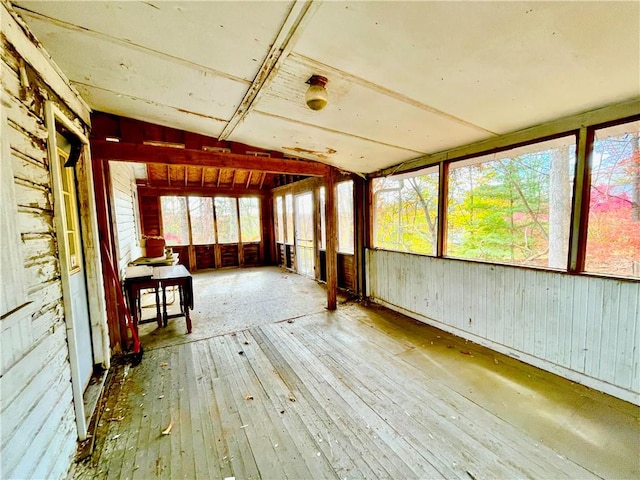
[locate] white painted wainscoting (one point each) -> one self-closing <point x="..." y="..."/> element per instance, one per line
<point x="584" y="328"/>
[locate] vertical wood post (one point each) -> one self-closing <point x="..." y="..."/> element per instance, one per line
<point x="115" y="318"/>
<point x="443" y="199"/>
<point x="267" y="230"/>
<point x="581" y="197"/>
<point x="317" y="231"/>
<point x="360" y="211"/>
<point x="191" y="249"/>
<point x="240" y="245"/>
<point x="332" y="241"/>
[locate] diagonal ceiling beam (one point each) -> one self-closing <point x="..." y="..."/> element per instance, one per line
<point x="298" y="16"/>
<point x="135" y="152"/>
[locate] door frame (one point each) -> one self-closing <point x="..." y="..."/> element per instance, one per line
<point x="296" y="231"/>
<point x="91" y="252"/>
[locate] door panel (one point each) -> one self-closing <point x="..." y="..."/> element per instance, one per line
<point x="304" y="234"/>
<point x="80" y="327"/>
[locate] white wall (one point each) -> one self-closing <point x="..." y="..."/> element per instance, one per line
<point x="124" y="207"/>
<point x="584" y="328"/>
<point x="37" y="419"/>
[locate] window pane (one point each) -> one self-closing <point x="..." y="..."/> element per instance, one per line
<point x="345" y="217"/>
<point x="174" y="220"/>
<point x="279" y="220"/>
<point x="201" y="213"/>
<point x="289" y="211"/>
<point x="249" y="219"/>
<point x="406" y="212"/>
<point x="323" y="223"/>
<point x="514" y="206"/>
<point x="226" y="219"/>
<point x="613" y="231"/>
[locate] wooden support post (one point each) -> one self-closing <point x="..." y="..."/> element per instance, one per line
<point x="115" y="318"/>
<point x="240" y="244"/>
<point x="581" y="198"/>
<point x="360" y="211"/>
<point x="317" y="232"/>
<point x="191" y="249"/>
<point x="332" y="241"/>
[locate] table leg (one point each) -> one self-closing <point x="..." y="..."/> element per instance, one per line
<point x="158" y="315"/>
<point x="164" y="305"/>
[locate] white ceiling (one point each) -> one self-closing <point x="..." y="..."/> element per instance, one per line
<point x="405" y="78"/>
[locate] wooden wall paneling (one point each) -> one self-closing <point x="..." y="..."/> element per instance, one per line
<point x="229" y="255"/>
<point x="183" y="255"/>
<point x="205" y="255"/>
<point x="150" y="214"/>
<point x="583" y="328"/>
<point x="39" y="431"/>
<point x="251" y="254"/>
<point x="346" y="268"/>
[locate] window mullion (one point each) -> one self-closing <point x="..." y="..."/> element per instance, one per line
<point x="579" y="209"/>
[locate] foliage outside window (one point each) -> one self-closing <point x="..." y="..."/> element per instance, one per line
<point x="249" y="219"/>
<point x="513" y="207"/>
<point x="613" y="232"/>
<point x="345" y="217"/>
<point x="288" y="200"/>
<point x="175" y="225"/>
<point x="201" y="214"/>
<point x="279" y="220"/>
<point x="226" y="219"/>
<point x="406" y="212"/>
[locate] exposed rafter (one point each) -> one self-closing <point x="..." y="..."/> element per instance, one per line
<point x="132" y="152"/>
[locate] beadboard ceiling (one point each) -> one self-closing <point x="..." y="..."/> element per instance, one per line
<point x="405" y="79"/>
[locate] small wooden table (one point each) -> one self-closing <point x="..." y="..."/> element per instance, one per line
<point x="178" y="276"/>
<point x="139" y="278"/>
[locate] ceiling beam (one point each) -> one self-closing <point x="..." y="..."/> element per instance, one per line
<point x="164" y="190"/>
<point x="299" y="15"/>
<point x="134" y="152"/>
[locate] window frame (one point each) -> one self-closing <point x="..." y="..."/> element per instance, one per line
<point x="578" y="225"/>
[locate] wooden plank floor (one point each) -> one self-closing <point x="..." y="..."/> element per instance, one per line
<point x="327" y="395"/>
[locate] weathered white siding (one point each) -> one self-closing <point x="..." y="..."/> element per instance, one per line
<point x="584" y="328"/>
<point x="37" y="419"/>
<point x="124" y="209"/>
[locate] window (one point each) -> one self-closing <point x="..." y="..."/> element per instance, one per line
<point x="406" y="212"/>
<point x="613" y="229"/>
<point x="514" y="206"/>
<point x="288" y="200"/>
<point x="249" y="219"/>
<point x="70" y="220"/>
<point x="201" y="215"/>
<point x="279" y="220"/>
<point x="175" y="225"/>
<point x="345" y="216"/>
<point x="226" y="219"/>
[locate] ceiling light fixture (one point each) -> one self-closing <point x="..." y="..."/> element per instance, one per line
<point x="316" y="96"/>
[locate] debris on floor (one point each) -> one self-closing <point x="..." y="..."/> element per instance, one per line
<point x="167" y="430"/>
